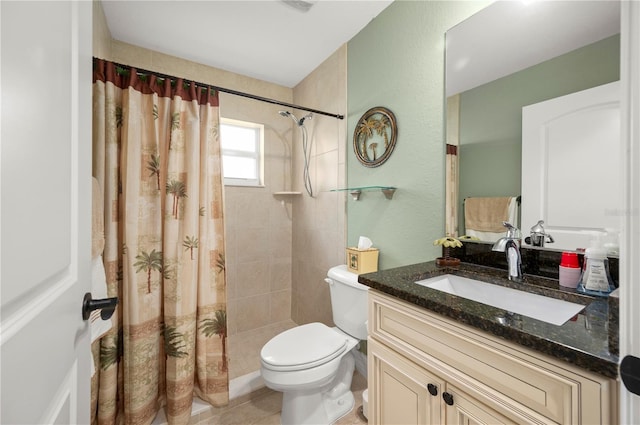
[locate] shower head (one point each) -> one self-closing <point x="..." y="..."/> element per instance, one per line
<point x="299" y="122"/>
<point x="289" y="114"/>
<point x="306" y="117"/>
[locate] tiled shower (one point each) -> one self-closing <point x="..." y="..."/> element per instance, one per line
<point x="280" y="247"/>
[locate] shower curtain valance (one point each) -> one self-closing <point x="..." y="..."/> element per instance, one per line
<point x="125" y="69"/>
<point x="150" y="83"/>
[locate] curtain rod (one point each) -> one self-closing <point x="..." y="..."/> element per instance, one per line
<point x="234" y="92"/>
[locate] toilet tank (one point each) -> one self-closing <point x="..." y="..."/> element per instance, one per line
<point x="348" y="301"/>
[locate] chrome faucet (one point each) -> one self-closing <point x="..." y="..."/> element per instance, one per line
<point x="538" y="235"/>
<point x="510" y="244"/>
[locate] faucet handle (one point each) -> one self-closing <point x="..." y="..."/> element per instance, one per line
<point x="538" y="228"/>
<point x="512" y="231"/>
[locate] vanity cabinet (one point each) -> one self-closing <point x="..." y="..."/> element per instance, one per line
<point x="425" y="368"/>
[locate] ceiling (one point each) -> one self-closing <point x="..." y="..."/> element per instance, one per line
<point x="269" y="39"/>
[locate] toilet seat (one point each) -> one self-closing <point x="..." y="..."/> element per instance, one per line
<point x="303" y="347"/>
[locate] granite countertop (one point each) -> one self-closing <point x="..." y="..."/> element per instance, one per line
<point x="589" y="341"/>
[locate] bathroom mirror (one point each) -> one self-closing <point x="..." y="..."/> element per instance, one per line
<point x="509" y="55"/>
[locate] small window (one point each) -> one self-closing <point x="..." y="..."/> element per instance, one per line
<point x="242" y="159"/>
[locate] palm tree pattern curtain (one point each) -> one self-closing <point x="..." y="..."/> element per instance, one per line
<point x="156" y="155"/>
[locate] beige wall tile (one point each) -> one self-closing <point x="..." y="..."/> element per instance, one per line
<point x="280" y="275"/>
<point x="253" y="279"/>
<point x="280" y="243"/>
<point x="280" y="306"/>
<point x="319" y="224"/>
<point x="253" y="312"/>
<point x="232" y="317"/>
<point x="253" y="244"/>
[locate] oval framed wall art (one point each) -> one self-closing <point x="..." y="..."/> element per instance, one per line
<point x="375" y="136"/>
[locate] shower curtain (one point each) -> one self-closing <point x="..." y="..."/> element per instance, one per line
<point x="156" y="155"/>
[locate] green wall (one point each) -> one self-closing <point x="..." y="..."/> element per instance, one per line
<point x="490" y="116"/>
<point x="397" y="61"/>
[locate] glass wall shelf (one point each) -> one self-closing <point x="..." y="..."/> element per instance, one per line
<point x="357" y="191"/>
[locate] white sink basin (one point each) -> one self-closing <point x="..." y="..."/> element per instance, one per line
<point x="549" y="310"/>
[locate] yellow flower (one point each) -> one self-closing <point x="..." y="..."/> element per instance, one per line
<point x="448" y="242"/>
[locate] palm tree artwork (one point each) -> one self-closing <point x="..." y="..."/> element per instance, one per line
<point x="190" y="243"/>
<point x="119" y="116"/>
<point x="153" y="165"/>
<point x="217" y="326"/>
<point x="367" y="128"/>
<point x="374" y="137"/>
<point x="148" y="262"/>
<point x="178" y="190"/>
<point x="220" y="263"/>
<point x="380" y="127"/>
<point x="175" y="121"/>
<point x="373" y="147"/>
<point x="108" y="355"/>
<point x="174" y="342"/>
<point x="365" y="131"/>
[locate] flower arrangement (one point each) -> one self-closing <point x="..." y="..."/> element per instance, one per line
<point x="448" y="242"/>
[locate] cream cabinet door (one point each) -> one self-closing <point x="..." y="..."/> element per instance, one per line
<point x="401" y="392"/>
<point x="462" y="409"/>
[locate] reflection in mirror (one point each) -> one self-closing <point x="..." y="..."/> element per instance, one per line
<point x="507" y="56"/>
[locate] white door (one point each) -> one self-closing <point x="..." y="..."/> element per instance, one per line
<point x="571" y="165"/>
<point x="45" y="181"/>
<point x="630" y="241"/>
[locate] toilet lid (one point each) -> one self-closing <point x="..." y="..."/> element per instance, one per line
<point x="303" y="347"/>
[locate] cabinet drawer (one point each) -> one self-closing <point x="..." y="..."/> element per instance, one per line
<point x="491" y="369"/>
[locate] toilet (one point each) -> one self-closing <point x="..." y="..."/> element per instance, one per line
<point x="312" y="365"/>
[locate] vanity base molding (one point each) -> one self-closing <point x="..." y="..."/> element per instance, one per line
<point x="425" y="368"/>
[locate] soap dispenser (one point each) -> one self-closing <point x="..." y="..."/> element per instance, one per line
<point x="595" y="278"/>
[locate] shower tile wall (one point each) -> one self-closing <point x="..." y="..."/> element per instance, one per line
<point x="258" y="228"/>
<point x="319" y="225"/>
<point x="258" y="234"/>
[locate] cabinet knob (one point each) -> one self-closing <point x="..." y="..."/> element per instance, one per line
<point x="448" y="398"/>
<point x="433" y="390"/>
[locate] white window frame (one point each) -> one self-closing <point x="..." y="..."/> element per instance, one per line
<point x="257" y="154"/>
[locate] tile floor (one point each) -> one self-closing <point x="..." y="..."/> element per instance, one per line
<point x="260" y="407"/>
<point x="263" y="408"/>
<point x="244" y="347"/>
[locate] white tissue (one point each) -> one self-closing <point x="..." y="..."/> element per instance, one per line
<point x="364" y="243"/>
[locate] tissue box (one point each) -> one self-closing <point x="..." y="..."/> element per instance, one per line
<point x="362" y="261"/>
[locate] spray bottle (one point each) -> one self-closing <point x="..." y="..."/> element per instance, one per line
<point x="595" y="278"/>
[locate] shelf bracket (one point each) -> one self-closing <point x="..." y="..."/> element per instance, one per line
<point x="355" y="194"/>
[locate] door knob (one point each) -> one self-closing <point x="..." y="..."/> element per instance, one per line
<point x="630" y="373"/>
<point x="106" y="305"/>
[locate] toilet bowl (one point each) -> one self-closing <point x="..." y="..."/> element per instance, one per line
<point x="312" y="364"/>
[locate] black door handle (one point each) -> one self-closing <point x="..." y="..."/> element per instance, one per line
<point x="630" y="373"/>
<point x="106" y="305"/>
